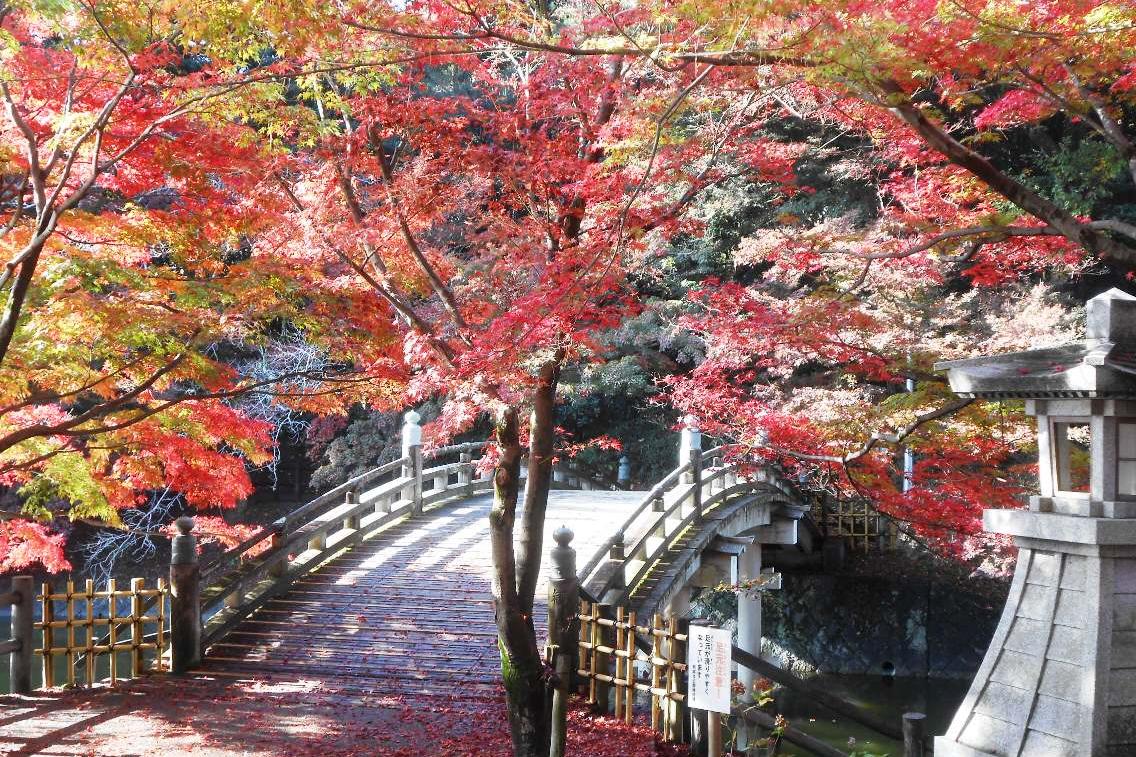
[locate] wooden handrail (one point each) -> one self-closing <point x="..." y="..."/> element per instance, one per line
<point x="288" y="541"/>
<point x="703" y="479"/>
<point x="290" y="521"/>
<point x="456" y="448"/>
<point x="235" y="584"/>
<point x="658" y="490"/>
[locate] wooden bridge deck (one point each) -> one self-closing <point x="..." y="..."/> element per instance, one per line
<point x="405" y="617"/>
<point x="408" y="613"/>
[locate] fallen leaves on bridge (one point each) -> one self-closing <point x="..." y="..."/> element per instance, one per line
<point x="211" y="718"/>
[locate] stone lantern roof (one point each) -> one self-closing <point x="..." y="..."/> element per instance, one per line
<point x="1102" y="366"/>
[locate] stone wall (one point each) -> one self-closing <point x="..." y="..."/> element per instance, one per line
<point x="873" y="625"/>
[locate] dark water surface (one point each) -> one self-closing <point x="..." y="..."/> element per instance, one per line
<point x="889" y="698"/>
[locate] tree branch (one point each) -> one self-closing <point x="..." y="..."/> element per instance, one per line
<point x="878" y="437"/>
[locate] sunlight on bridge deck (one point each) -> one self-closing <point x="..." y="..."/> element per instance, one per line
<point x="330" y="666"/>
<point x="409" y="612"/>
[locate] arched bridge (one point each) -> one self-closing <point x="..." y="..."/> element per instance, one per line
<point x="381" y="586"/>
<point x="387" y="562"/>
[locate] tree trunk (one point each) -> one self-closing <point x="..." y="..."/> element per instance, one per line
<point x="522" y="668"/>
<point x="19" y="292"/>
<point x="542" y="437"/>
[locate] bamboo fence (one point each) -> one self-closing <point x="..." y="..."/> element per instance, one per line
<point x="81" y="625"/>
<point x="611" y="661"/>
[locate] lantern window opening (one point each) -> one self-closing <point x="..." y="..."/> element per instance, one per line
<point x="1072" y="445"/>
<point x="1126" y="458"/>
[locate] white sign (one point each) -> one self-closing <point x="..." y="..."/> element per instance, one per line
<point x="708" y="669"/>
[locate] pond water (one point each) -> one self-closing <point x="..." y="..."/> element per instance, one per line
<point x="102" y="662"/>
<point x="888" y="698"/>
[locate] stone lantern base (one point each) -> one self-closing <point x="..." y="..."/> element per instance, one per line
<point x="1059" y="678"/>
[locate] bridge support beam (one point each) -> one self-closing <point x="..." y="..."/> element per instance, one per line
<point x="749" y="610"/>
<point x="749" y="623"/>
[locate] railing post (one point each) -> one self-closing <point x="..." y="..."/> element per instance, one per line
<point x="351" y="522"/>
<point x="280" y="566"/>
<point x="23" y="629"/>
<point x="564" y="631"/>
<point x="691" y="439"/>
<point x="690" y="451"/>
<point x="465" y="472"/>
<point x="412" y="448"/>
<point x="185" y="599"/>
<point x="696" y="481"/>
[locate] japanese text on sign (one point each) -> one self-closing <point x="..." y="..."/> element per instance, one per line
<point x="708" y="669"/>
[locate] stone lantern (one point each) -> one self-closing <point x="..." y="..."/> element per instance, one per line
<point x="1059" y="677"/>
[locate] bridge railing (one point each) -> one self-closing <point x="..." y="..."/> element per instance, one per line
<point x="680" y="500"/>
<point x="239" y="580"/>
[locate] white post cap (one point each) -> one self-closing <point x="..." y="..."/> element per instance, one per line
<point x="411" y="432"/>
<point x="691" y="438"/>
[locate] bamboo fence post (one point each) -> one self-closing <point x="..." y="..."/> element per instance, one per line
<point x="602" y="659"/>
<point x="617" y="675"/>
<point x="656" y="675"/>
<point x="678" y="729"/>
<point x="23" y="631"/>
<point x="48" y="615"/>
<point x="70" y="656"/>
<point x="583" y="658"/>
<point x="185" y="600"/>
<point x="160" y="601"/>
<point x="629" y="669"/>
<point x="89" y="645"/>
<point x="593" y="659"/>
<point x="136" y="653"/>
<point x="112" y="632"/>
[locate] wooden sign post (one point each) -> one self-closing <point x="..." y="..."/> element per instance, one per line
<point x="708" y="678"/>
